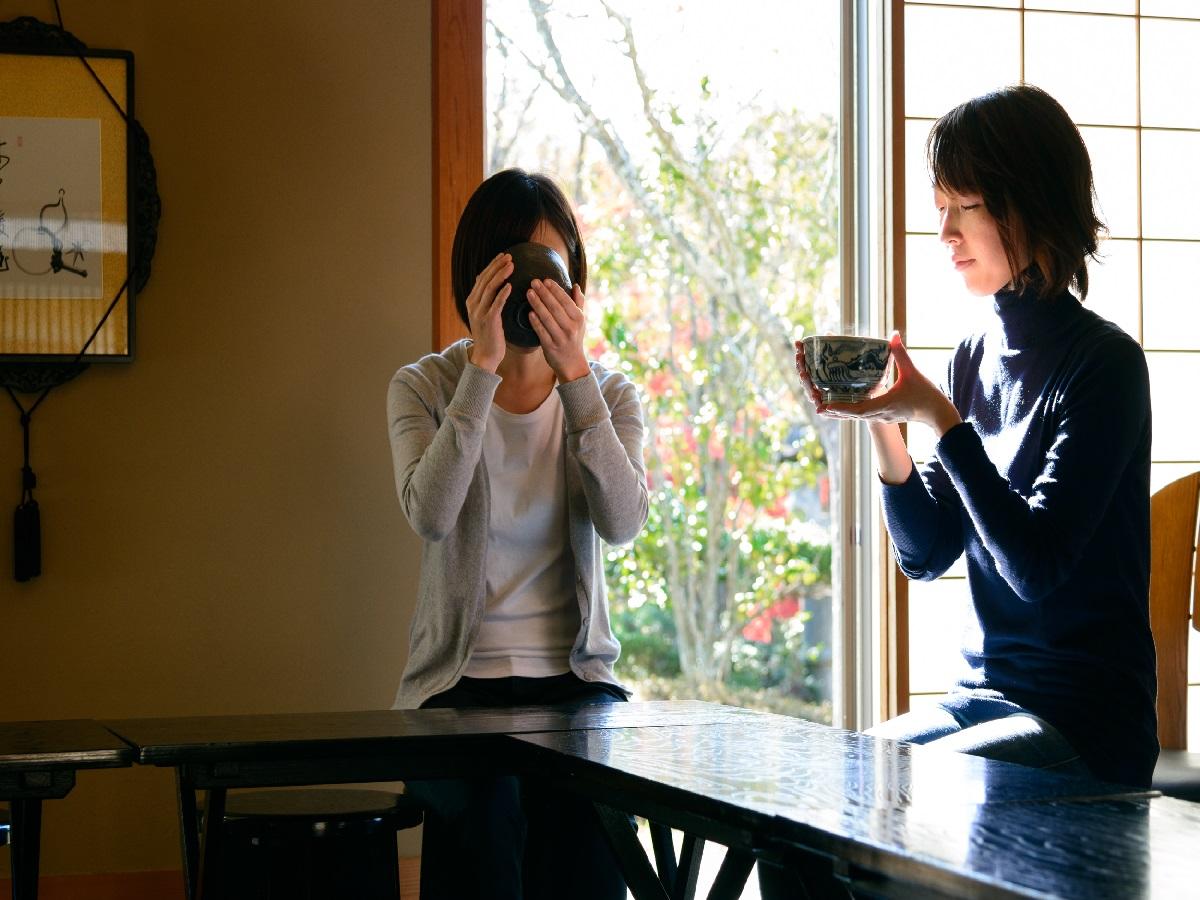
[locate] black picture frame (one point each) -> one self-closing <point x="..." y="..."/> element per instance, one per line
<point x="48" y="74"/>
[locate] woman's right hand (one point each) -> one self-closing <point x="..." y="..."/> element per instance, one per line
<point x="806" y="379"/>
<point x="484" y="304"/>
<point x="891" y="453"/>
<point x="912" y="397"/>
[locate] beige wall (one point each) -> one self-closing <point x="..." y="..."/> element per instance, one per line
<point x="220" y="529"/>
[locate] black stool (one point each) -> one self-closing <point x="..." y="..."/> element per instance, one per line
<point x="314" y="844"/>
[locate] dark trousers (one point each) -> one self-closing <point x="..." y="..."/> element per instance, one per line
<point x="514" y="838"/>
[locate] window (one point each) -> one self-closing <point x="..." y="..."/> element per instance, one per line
<point x="717" y="219"/>
<point x="1117" y="66"/>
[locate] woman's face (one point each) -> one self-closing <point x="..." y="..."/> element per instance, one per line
<point x="973" y="238"/>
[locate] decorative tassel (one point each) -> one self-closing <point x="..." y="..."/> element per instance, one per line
<point x="27" y="541"/>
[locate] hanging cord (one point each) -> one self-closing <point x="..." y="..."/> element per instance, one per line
<point x="27" y="523"/>
<point x="78" y="48"/>
<point x="28" y="479"/>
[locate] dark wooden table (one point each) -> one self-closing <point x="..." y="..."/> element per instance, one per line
<point x="216" y="753"/>
<point x="38" y="761"/>
<point x="880" y="817"/>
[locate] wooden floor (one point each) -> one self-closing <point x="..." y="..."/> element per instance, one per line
<point x="165" y="884"/>
<point x="410" y="877"/>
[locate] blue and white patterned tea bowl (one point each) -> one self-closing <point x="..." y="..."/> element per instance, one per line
<point x="845" y="368"/>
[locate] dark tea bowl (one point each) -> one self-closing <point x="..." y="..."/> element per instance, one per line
<point x="843" y="367"/>
<point x="530" y="261"/>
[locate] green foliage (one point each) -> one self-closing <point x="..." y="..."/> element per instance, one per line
<point x="707" y="256"/>
<point x="724" y="456"/>
<point x="647" y="634"/>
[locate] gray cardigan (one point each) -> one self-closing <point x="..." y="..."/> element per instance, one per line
<point x="437" y="411"/>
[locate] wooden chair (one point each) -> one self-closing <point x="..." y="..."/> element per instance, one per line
<point x="1174" y="600"/>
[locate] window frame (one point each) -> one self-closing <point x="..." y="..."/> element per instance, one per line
<point x="893" y="589"/>
<point x="872" y="631"/>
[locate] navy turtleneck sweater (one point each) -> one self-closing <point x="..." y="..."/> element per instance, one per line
<point x="1045" y="486"/>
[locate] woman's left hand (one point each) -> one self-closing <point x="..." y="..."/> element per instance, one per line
<point x="559" y="323"/>
<point x="911" y="398"/>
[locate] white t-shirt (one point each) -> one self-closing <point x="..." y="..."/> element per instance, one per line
<point x="532" y="615"/>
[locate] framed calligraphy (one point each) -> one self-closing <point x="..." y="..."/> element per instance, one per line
<point x="67" y="208"/>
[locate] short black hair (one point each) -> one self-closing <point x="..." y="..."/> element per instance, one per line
<point x="506" y="209"/>
<point x="1019" y="150"/>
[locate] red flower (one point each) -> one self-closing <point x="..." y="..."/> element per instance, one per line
<point x="785" y="608"/>
<point x="657" y="384"/>
<point x="758" y="629"/>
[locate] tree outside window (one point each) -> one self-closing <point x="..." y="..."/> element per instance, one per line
<point x="700" y="148"/>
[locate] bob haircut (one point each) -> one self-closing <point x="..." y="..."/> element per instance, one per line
<point x="506" y="209"/>
<point x="1019" y="150"/>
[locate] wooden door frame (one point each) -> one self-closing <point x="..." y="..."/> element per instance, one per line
<point x="458" y="142"/>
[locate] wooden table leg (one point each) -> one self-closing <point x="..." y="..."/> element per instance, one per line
<point x="664" y="855"/>
<point x="26" y="838"/>
<point x="688" y="873"/>
<point x="189" y="837"/>
<point x="208" y="886"/>
<point x="731" y="877"/>
<point x="677" y="876"/>
<point x="639" y="875"/>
